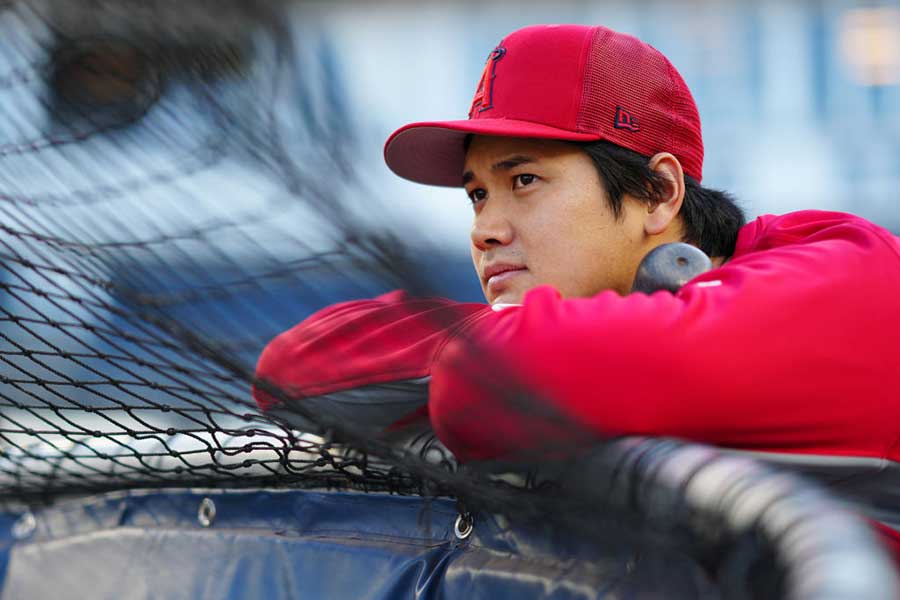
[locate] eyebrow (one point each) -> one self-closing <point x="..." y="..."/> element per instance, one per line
<point x="504" y="165"/>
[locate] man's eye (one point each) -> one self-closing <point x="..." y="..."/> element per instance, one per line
<point x="477" y="195"/>
<point x="523" y="180"/>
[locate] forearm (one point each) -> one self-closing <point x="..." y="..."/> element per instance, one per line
<point x="741" y="360"/>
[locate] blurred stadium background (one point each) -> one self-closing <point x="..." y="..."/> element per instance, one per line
<point x="151" y="248"/>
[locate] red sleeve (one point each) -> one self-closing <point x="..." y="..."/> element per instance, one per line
<point x="791" y="346"/>
<point x="364" y="342"/>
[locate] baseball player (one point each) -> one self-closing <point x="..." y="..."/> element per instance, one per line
<point x="583" y="152"/>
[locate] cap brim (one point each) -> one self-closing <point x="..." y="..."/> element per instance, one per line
<point x="432" y="152"/>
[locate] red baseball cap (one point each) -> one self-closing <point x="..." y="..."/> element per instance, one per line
<point x="562" y="82"/>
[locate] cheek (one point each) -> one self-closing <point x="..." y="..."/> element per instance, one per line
<point x="557" y="248"/>
<point x="581" y="254"/>
<point x="608" y="256"/>
<point x="476" y="258"/>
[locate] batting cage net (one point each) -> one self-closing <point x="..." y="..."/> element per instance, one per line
<point x="174" y="195"/>
<point x="178" y="186"/>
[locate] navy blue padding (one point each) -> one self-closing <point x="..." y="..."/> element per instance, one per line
<point x="317" y="545"/>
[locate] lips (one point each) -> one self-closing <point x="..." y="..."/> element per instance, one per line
<point x="500" y="272"/>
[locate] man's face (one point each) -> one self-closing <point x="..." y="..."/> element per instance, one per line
<point x="542" y="218"/>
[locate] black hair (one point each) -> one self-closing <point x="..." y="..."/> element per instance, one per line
<point x="711" y="217"/>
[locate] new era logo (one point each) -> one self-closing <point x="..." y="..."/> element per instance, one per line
<point x="625" y="120"/>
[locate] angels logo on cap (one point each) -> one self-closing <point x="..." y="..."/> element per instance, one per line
<point x="484" y="94"/>
<point x="562" y="82"/>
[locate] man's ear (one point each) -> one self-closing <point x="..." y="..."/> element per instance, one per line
<point x="662" y="215"/>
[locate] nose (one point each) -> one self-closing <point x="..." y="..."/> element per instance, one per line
<point x="491" y="227"/>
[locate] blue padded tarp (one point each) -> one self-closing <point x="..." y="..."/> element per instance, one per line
<point x="317" y="545"/>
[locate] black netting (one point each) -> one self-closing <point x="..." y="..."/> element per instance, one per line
<point x="178" y="185"/>
<point x="175" y="192"/>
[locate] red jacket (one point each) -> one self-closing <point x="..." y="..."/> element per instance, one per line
<point x="790" y="348"/>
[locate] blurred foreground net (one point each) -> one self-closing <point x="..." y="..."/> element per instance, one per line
<point x="175" y="191"/>
<point x="176" y="188"/>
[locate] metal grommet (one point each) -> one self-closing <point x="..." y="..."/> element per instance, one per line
<point x="464" y="526"/>
<point x="25" y="526"/>
<point x="206" y="514"/>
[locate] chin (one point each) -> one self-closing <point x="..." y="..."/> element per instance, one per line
<point x="508" y="298"/>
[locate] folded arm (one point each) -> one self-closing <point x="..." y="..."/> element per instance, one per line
<point x="792" y="348"/>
